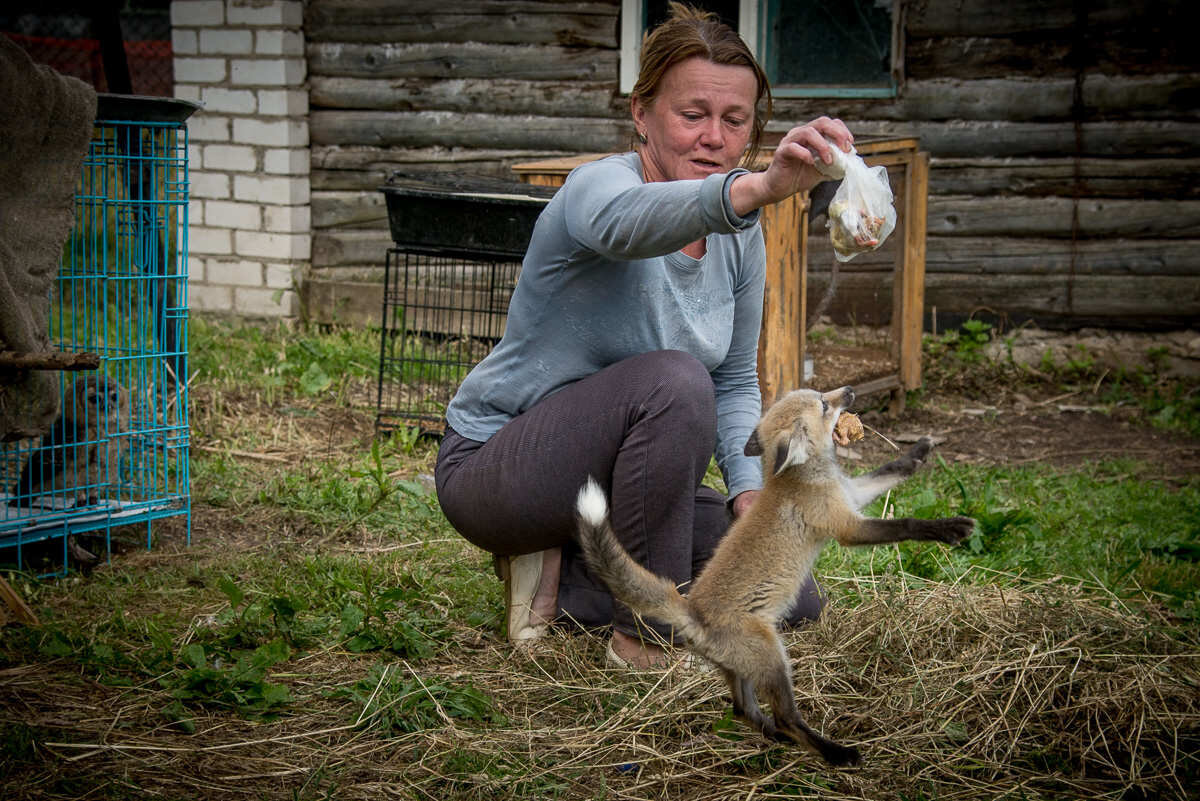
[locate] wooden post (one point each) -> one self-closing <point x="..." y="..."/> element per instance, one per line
<point x="781" y="343"/>
<point x="900" y="183"/>
<point x="912" y="302"/>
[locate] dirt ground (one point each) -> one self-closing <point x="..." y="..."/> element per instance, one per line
<point x="1014" y="412"/>
<point x="1018" y="428"/>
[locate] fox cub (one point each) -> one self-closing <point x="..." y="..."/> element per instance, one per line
<point x="731" y="613"/>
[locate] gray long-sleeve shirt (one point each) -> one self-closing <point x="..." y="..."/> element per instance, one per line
<point x="604" y="279"/>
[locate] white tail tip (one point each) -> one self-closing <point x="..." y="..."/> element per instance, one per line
<point x="592" y="505"/>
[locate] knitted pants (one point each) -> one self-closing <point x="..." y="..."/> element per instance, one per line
<point x="645" y="429"/>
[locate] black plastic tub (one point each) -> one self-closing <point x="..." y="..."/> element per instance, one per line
<point x="467" y="215"/>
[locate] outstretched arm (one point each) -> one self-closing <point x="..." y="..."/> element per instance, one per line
<point x="792" y="167"/>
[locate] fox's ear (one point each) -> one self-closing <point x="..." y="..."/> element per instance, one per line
<point x="793" y="451"/>
<point x="753" y="446"/>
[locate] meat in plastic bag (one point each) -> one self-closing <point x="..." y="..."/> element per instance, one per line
<point x="861" y="215"/>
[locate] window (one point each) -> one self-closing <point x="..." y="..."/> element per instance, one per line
<point x="809" y="48"/>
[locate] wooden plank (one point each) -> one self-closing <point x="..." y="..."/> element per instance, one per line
<point x="969" y="56"/>
<point x="1052" y="217"/>
<point x="357" y="209"/>
<point x="883" y="384"/>
<point x="980" y="17"/>
<point x="1109" y="299"/>
<point x="578" y="24"/>
<point x="465" y="60"/>
<point x="1041" y="98"/>
<point x="1001" y="139"/>
<point x="997" y="255"/>
<point x="365" y="168"/>
<point x="370" y="157"/>
<point x="333" y="247"/>
<point x="325" y="300"/>
<point x="1151" y="302"/>
<point x="988" y="256"/>
<point x="448" y="129"/>
<point x="556" y="167"/>
<point x="1113" y="178"/>
<point x="498" y="96"/>
<point x="1035" y="97"/>
<point x="347" y="301"/>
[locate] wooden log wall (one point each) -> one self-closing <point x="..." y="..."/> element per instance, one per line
<point x="1064" y="136"/>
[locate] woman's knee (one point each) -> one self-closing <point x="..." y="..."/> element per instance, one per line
<point x="686" y="383"/>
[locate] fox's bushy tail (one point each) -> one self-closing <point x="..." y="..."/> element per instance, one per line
<point x="642" y="591"/>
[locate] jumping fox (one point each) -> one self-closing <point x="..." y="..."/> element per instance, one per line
<point x="731" y="613"/>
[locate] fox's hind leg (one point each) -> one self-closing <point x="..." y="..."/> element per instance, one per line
<point x="745" y="704"/>
<point x="764" y="663"/>
<point x="791" y="726"/>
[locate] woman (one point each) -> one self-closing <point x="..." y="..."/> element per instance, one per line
<point x="631" y="345"/>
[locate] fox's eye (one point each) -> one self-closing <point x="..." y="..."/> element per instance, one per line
<point x="824" y="405"/>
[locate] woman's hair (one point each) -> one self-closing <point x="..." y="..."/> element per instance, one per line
<point x="691" y="33"/>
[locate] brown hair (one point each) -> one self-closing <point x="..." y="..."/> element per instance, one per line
<point x="690" y="33"/>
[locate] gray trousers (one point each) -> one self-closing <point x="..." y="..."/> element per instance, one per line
<point x="645" y="429"/>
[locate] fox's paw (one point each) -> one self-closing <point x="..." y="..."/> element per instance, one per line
<point x="919" y="452"/>
<point x="953" y="530"/>
<point x="836" y="754"/>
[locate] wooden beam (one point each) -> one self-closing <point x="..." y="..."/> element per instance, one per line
<point x="525" y="22"/>
<point x="48" y="360"/>
<point x="912" y="296"/>
<point x="450" y="129"/>
<point x="780" y="359"/>
<point x="462" y="60"/>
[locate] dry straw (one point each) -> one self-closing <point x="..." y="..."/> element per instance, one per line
<point x="952" y="691"/>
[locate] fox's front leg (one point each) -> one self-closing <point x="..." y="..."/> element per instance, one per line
<point x="873" y="531"/>
<point x="869" y="486"/>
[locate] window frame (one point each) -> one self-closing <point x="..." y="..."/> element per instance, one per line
<point x="752" y="27"/>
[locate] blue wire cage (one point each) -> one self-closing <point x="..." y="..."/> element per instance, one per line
<point x="118" y="453"/>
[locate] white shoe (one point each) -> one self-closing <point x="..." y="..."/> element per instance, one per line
<point x="522" y="575"/>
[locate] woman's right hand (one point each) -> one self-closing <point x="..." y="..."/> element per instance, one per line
<point x="792" y="168"/>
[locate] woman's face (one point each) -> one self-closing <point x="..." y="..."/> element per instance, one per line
<point x="700" y="122"/>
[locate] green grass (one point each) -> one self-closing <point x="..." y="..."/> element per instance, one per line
<point x="277" y="360"/>
<point x="1126" y="536"/>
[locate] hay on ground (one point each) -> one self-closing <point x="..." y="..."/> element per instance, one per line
<point x="951" y="691"/>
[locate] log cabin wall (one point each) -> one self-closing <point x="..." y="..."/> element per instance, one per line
<point x="1065" y="141"/>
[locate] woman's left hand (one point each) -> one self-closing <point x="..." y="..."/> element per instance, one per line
<point x="792" y="167"/>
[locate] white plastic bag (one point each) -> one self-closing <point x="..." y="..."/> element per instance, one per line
<point x="861" y="214"/>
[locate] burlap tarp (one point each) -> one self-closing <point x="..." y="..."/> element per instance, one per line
<point x="45" y="124"/>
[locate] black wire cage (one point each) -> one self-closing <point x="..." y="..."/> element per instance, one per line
<point x="459" y="241"/>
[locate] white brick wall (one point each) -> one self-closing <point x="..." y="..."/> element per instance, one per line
<point x="240" y="158"/>
<point x="234" y="101"/>
<point x="250" y="220"/>
<point x="292" y="161"/>
<point x="224" y="40"/>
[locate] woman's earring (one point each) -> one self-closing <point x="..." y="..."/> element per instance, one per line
<point x="641" y="137"/>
